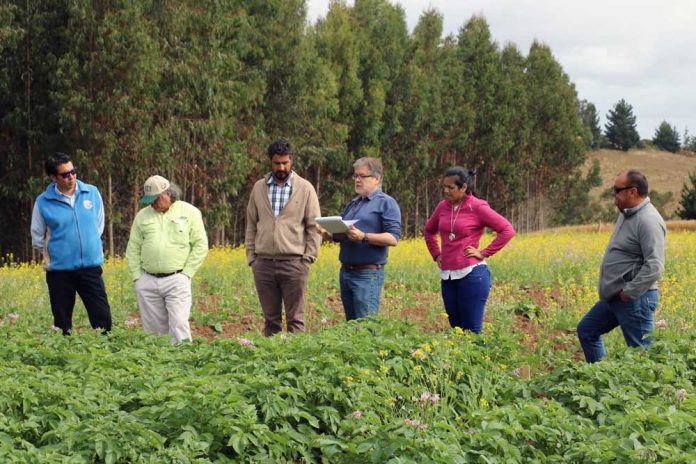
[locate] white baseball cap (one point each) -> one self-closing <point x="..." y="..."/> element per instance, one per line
<point x="154" y="187"/>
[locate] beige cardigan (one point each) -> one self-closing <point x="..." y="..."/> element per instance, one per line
<point x="293" y="233"/>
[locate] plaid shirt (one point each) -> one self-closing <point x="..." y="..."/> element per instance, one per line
<point x="279" y="195"/>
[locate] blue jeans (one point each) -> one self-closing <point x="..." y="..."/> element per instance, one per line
<point x="465" y="299"/>
<point x="360" y="292"/>
<point x="635" y="318"/>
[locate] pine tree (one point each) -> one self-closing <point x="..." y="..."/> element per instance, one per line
<point x="687" y="204"/>
<point x="667" y="138"/>
<point x="621" y="127"/>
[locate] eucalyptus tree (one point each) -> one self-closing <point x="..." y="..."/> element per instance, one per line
<point x="556" y="145"/>
<point x="494" y="97"/>
<point x="106" y="80"/>
<point x="32" y="39"/>
<point x="590" y="119"/>
<point x="413" y="144"/>
<point x="382" y="44"/>
<point x="512" y="167"/>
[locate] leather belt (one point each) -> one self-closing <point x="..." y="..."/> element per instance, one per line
<point x="159" y="275"/>
<point x="360" y="267"/>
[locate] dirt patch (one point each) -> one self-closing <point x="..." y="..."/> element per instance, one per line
<point x="528" y="330"/>
<point x="543" y="297"/>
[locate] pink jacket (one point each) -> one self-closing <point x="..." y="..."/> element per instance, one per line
<point x="473" y="218"/>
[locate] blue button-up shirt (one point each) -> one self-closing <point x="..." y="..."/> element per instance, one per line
<point x="375" y="213"/>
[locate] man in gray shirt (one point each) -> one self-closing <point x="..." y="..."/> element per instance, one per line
<point x="632" y="264"/>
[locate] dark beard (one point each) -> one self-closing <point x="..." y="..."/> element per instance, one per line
<point x="280" y="175"/>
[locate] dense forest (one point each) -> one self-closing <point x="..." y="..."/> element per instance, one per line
<point x="195" y="91"/>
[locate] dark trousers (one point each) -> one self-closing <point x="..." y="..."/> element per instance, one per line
<point x="88" y="283"/>
<point x="465" y="299"/>
<point x="281" y="282"/>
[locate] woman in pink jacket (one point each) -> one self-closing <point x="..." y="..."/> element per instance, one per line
<point x="460" y="220"/>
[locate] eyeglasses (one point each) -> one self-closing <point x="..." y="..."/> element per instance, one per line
<point x="67" y="174"/>
<point x="618" y="190"/>
<point x="361" y="176"/>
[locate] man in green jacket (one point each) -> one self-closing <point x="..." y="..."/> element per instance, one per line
<point x="167" y="245"/>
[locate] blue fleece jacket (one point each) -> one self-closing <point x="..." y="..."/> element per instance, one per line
<point x="74" y="236"/>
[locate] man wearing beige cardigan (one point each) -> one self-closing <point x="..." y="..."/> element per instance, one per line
<point x="282" y="240"/>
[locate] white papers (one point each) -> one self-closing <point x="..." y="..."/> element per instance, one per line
<point x="335" y="224"/>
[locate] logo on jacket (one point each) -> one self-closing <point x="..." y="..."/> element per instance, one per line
<point x="87" y="204"/>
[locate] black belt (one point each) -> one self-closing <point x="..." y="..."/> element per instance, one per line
<point x="360" y="267"/>
<point x="159" y="275"/>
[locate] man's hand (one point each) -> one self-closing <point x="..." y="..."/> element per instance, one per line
<point x="355" y="234"/>
<point x="325" y="234"/>
<point x="625" y="298"/>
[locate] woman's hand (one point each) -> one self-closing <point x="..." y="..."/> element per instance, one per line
<point x="438" y="260"/>
<point x="471" y="251"/>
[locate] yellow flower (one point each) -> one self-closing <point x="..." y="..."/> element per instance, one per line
<point x="383" y="353"/>
<point x="458" y="330"/>
<point x="427" y="347"/>
<point x="483" y="403"/>
<point x="365" y="372"/>
<point x="349" y="378"/>
<point x="417" y="367"/>
<point x="419" y="354"/>
<point x="443" y="316"/>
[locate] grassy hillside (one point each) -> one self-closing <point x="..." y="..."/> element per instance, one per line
<point x="666" y="171"/>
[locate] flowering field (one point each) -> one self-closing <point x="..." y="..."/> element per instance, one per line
<point x="401" y="388"/>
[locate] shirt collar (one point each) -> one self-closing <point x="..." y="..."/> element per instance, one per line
<point x="627" y="212"/>
<point x="61" y="194"/>
<point x="371" y="196"/>
<point x="270" y="180"/>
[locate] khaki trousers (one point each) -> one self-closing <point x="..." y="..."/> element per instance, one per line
<point x="281" y="282"/>
<point x="165" y="305"/>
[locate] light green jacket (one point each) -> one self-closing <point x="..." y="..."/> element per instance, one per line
<point x="167" y="242"/>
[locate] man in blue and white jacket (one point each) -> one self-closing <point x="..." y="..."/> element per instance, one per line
<point x="66" y="225"/>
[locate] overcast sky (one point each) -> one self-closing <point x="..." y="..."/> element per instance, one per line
<point x="643" y="51"/>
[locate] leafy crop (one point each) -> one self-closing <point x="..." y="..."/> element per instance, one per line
<point x="389" y="390"/>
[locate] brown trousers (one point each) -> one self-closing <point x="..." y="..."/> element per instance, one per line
<point x="278" y="282"/>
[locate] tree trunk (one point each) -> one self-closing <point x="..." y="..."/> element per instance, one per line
<point x="416" y="218"/>
<point x="110" y="215"/>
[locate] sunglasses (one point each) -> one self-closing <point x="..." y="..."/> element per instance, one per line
<point x="617" y="190"/>
<point x="67" y="174"/>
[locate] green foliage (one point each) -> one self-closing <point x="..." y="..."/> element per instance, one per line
<point x="667" y="138"/>
<point x="689" y="141"/>
<point x="371" y="391"/>
<point x="195" y="90"/>
<point x="621" y="126"/>
<point x="590" y="119"/>
<point x="660" y="200"/>
<point x="575" y="205"/>
<point x="687" y="203"/>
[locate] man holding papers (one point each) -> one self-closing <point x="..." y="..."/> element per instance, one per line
<point x="376" y="226"/>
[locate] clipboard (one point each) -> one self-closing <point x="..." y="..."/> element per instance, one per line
<point x="335" y="224"/>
